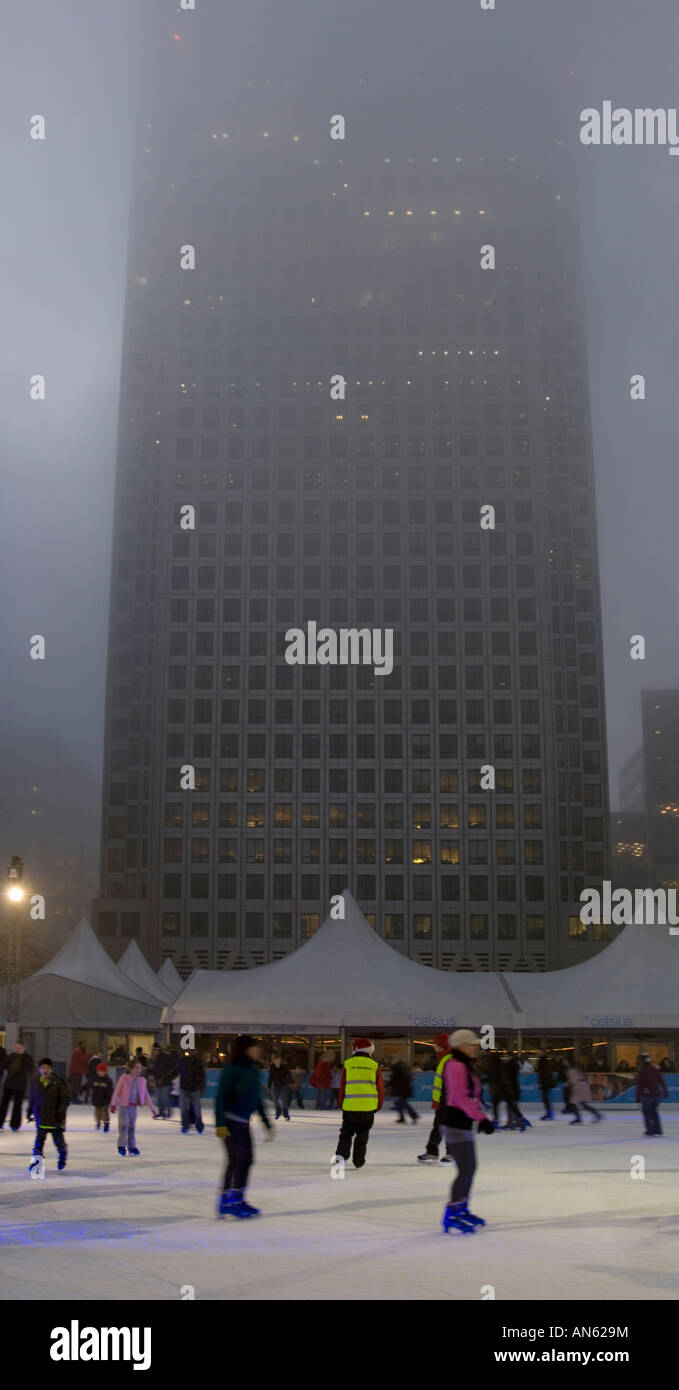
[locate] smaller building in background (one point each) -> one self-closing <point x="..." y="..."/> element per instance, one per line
<point x="660" y="723"/>
<point x="629" y="850"/>
<point x="631" y="787"/>
<point x="49" y="815"/>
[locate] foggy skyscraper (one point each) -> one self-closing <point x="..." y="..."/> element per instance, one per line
<point x="443" y="285"/>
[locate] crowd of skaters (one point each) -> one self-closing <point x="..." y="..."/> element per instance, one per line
<point x="356" y="1088"/>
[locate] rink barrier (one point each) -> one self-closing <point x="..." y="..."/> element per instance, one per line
<point x="617" y="1088"/>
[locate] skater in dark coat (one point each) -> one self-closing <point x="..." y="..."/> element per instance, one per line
<point x="651" y="1089"/>
<point x="512" y="1095"/>
<point x="431" y="1153"/>
<point x="361" y="1094"/>
<point x="165" y="1066"/>
<point x="545" y="1071"/>
<point x="497" y="1083"/>
<point x="191" y="1087"/>
<point x="503" y="1082"/>
<point x="101" y="1092"/>
<point x="49" y="1100"/>
<point x="461" y="1109"/>
<point x="402" y="1090"/>
<point x="239" y="1094"/>
<point x="279" y="1085"/>
<point x="17" y="1082"/>
<point x="562" y="1078"/>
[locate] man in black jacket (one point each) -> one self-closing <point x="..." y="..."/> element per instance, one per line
<point x="191" y="1087"/>
<point x="545" y="1070"/>
<point x="17" y="1079"/>
<point x="164" y="1065"/>
<point x="279" y="1085"/>
<point x="50" y="1099"/>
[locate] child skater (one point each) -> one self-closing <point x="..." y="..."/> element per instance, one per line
<point x="130" y="1092"/>
<point x="102" y="1090"/>
<point x="49" y="1101"/>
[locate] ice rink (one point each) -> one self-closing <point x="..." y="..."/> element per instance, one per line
<point x="565" y="1218"/>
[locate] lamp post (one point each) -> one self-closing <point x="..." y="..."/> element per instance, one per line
<point x="15" y="896"/>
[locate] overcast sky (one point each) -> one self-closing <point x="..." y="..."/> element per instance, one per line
<point x="63" y="221"/>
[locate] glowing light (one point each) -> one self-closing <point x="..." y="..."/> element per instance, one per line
<point x="15" y="894"/>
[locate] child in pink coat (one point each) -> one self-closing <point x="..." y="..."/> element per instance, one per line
<point x="131" y="1091"/>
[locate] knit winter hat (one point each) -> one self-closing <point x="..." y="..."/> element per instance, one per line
<point x="441" y="1042"/>
<point x="363" y="1045"/>
<point x="462" y="1037"/>
<point x="240" y="1046"/>
<point x="102" y="1069"/>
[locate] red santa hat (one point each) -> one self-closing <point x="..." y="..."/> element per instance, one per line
<point x="363" y="1045"/>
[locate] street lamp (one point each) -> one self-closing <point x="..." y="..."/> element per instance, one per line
<point x="15" y="895"/>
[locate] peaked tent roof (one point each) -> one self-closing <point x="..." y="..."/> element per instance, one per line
<point x="136" y="967"/>
<point x="633" y="983"/>
<point x="345" y="976"/>
<point x="81" y="987"/>
<point x="169" y="977"/>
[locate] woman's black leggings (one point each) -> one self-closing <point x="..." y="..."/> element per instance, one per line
<point x="464" y="1154"/>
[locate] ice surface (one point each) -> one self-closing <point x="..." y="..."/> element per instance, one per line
<point x="565" y="1219"/>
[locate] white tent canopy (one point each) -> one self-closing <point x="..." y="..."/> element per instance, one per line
<point x="137" y="969"/>
<point x="633" y="983"/>
<point x="81" y="987"/>
<point x="345" y="976"/>
<point x="169" y="977"/>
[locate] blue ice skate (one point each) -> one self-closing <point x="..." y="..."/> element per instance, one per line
<point x="469" y="1216"/>
<point x="226" y="1203"/>
<point x="242" y="1208"/>
<point x="454" y="1219"/>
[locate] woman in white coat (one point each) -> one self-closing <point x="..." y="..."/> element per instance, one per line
<point x="579" y="1095"/>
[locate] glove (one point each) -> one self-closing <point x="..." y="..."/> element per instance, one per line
<point x="222" y="1132"/>
<point x="113" y="1109"/>
<point x="486" y="1126"/>
<point x="270" y="1134"/>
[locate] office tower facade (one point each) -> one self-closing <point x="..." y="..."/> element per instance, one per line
<point x="442" y="491"/>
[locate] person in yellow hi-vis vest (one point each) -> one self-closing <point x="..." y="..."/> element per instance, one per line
<point x="431" y="1153"/>
<point x="361" y="1093"/>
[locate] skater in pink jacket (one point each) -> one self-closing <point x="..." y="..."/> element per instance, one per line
<point x="131" y="1091"/>
<point x="461" y="1108"/>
